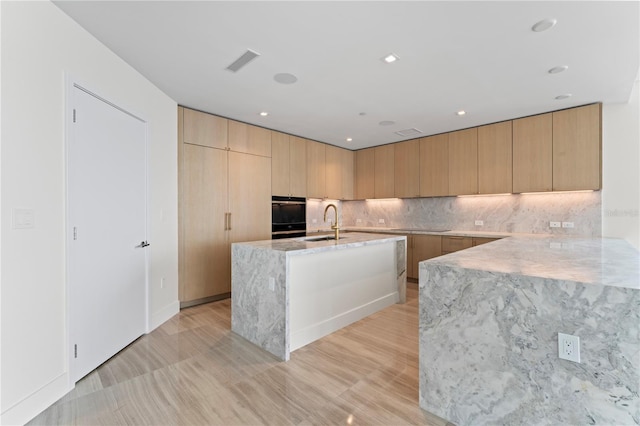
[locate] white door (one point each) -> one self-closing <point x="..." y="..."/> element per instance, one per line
<point x="107" y="226"/>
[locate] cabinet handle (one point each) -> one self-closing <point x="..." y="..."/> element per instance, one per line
<point x="226" y="221"/>
<point x="229" y="221"/>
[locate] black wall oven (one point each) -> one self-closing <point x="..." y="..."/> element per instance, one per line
<point x="288" y="217"/>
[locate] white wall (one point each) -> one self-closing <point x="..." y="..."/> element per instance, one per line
<point x="39" y="45"/>
<point x="621" y="169"/>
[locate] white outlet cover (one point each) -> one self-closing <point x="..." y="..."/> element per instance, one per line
<point x="554" y="224"/>
<point x="569" y="347"/>
<point x="380" y="220"/>
<point x="479" y="222"/>
<point x="567" y="224"/>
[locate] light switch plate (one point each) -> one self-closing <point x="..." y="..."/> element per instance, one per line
<point x="23" y="218"/>
<point x="554" y="224"/>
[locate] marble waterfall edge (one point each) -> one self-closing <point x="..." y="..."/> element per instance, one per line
<point x="488" y="344"/>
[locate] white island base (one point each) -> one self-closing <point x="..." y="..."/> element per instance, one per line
<point x="289" y="293"/>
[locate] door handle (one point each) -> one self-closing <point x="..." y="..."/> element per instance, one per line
<point x="143" y="244"/>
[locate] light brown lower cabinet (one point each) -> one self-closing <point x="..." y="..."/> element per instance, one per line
<point x="454" y="243"/>
<point x="423" y="247"/>
<point x="225" y="198"/>
<point x="476" y="241"/>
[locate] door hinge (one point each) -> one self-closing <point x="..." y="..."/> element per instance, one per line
<point x="75" y="233"/>
<point x="75" y="351"/>
<point x="74" y="115"/>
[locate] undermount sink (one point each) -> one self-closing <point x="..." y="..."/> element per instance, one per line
<point x="322" y="238"/>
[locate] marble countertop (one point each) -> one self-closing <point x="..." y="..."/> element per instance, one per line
<point x="302" y="245"/>
<point x="418" y="231"/>
<point x="606" y="261"/>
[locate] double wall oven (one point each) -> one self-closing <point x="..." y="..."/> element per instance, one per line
<point x="288" y="217"/>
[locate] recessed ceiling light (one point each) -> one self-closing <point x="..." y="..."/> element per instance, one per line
<point x="387" y="123"/>
<point x="285" y="78"/>
<point x="461" y="112"/>
<point x="264" y="113"/>
<point x="391" y="57"/>
<point x="349" y="139"/>
<point x="543" y="25"/>
<point x="565" y="96"/>
<point x="556" y="70"/>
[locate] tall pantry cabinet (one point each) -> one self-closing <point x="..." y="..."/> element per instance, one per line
<point x="224" y="197"/>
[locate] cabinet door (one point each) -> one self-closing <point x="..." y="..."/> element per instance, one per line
<point x="347" y="174"/>
<point x="463" y="162"/>
<point x="384" y="172"/>
<point x="333" y="170"/>
<point x="452" y="244"/>
<point x="365" y="167"/>
<point x="532" y="153"/>
<point x="249" y="139"/>
<point x="205" y="271"/>
<point x="434" y="166"/>
<point x="495" y="159"/>
<point x="316" y="173"/>
<point x="249" y="197"/>
<point x="298" y="166"/>
<point x="407" y="169"/>
<point x="204" y="129"/>
<point x="280" y="160"/>
<point x="577" y="147"/>
<point x="425" y="247"/>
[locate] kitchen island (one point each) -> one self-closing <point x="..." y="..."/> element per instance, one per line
<point x="489" y="323"/>
<point x="287" y="293"/>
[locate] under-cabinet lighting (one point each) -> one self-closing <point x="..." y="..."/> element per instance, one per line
<point x="557" y="192"/>
<point x="483" y="195"/>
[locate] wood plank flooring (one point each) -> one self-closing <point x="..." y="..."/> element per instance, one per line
<point x="194" y="371"/>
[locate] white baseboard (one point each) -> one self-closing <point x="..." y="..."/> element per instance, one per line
<point x="315" y="331"/>
<point x="25" y="410"/>
<point x="164" y="314"/>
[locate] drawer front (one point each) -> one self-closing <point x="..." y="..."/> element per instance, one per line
<point x="451" y="244"/>
<point x="481" y="240"/>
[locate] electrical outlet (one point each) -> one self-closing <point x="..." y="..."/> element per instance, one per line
<point x="358" y="220"/>
<point x="567" y="224"/>
<point x="479" y="222"/>
<point x="314" y="220"/>
<point x="381" y="221"/>
<point x="554" y="224"/>
<point x="569" y="347"/>
<point x="272" y="283"/>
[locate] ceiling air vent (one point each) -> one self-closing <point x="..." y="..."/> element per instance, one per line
<point x="409" y="132"/>
<point x="243" y="60"/>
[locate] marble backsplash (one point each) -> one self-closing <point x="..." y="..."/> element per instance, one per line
<point x="518" y="213"/>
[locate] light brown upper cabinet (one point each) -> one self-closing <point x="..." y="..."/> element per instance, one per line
<point x="204" y="129"/>
<point x="533" y="153"/>
<point x="365" y="167"/>
<point x="463" y="162"/>
<point x="495" y="160"/>
<point x="288" y="165"/>
<point x="434" y="166"/>
<point x="333" y="170"/>
<point x="577" y="148"/>
<point x="249" y="139"/>
<point x="316" y="170"/>
<point x="339" y="172"/>
<point x="384" y="172"/>
<point x="348" y="175"/>
<point x="407" y="169"/>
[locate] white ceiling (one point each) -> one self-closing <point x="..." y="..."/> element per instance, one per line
<point x="478" y="56"/>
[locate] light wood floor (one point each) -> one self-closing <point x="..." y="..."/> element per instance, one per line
<point x="193" y="370"/>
